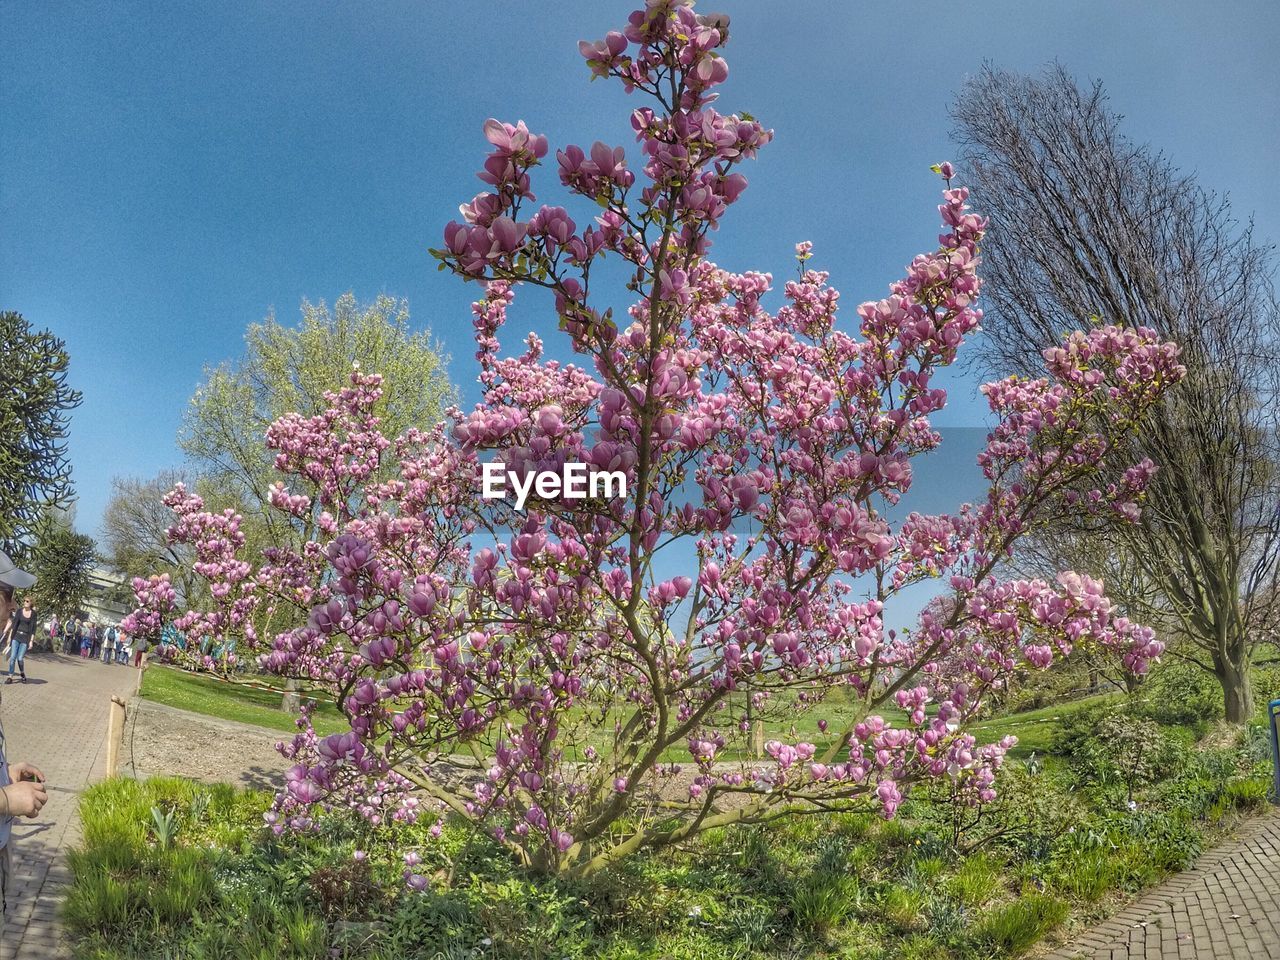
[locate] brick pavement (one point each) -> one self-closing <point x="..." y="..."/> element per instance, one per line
<point x="1227" y="907"/>
<point x="58" y="721"/>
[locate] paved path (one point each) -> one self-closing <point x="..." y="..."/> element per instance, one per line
<point x="1227" y="907"/>
<point x="58" y="721"/>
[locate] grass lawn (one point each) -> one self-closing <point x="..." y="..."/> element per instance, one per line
<point x="228" y="701"/>
<point x="1035" y="729"/>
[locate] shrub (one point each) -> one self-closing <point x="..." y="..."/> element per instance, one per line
<point x="1265" y="682"/>
<point x="1078" y="726"/>
<point x="718" y="415"/>
<point x="1032" y="809"/>
<point x="347" y="890"/>
<point x="1126" y="750"/>
<point x="1178" y="692"/>
<point x="1043" y="688"/>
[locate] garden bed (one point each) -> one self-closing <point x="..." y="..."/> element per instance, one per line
<point x="177" y="869"/>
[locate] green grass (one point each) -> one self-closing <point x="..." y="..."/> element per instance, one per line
<point x="170" y="868"/>
<point x="1035" y="729"/>
<point x="228" y="701"/>
<point x="1013" y="928"/>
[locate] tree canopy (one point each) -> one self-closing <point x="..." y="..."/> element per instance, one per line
<point x="35" y="404"/>
<point x="536" y="670"/>
<point x="1089" y="227"/>
<point x="62" y="561"/>
<point x="289" y="370"/>
<point x="135" y="527"/>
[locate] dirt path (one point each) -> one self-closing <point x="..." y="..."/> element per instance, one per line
<point x="162" y="740"/>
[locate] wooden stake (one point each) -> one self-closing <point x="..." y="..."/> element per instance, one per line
<point x="115" y="734"/>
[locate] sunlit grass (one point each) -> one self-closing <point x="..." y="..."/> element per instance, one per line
<point x="229" y="701"/>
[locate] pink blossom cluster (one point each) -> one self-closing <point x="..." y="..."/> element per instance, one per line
<point x="564" y="649"/>
<point x="156" y="600"/>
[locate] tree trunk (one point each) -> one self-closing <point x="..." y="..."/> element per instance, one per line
<point x="291" y="702"/>
<point x="1237" y="693"/>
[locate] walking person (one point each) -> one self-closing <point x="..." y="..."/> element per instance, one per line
<point x="86" y="641"/>
<point x="21" y="630"/>
<point x="22" y="789"/>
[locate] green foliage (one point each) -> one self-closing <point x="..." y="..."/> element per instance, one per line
<point x="1170" y="839"/>
<point x="1266" y="681"/>
<point x="1088" y="875"/>
<point x="1179" y="692"/>
<point x="1240" y="795"/>
<point x="838" y="886"/>
<point x="123" y="881"/>
<point x="166" y="825"/>
<point x="1053" y="688"/>
<point x="977" y="881"/>
<point x="35" y="404"/>
<point x="1123" y="749"/>
<point x="1034" y="806"/>
<point x="824" y="900"/>
<point x="289" y="370"/>
<point x="62" y="561"/>
<point x="904" y="908"/>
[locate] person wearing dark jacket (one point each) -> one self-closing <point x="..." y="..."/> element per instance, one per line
<point x="20" y="631"/>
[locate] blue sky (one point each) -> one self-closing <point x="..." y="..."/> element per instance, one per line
<point x="172" y="172"/>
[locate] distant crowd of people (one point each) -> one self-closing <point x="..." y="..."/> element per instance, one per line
<point x="92" y="641"/>
<point x="95" y="641"/>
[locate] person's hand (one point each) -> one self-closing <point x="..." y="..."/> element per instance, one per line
<point x="24" y="771"/>
<point x="25" y="798"/>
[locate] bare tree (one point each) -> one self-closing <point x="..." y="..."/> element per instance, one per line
<point x="1086" y="226"/>
<point x="135" y="529"/>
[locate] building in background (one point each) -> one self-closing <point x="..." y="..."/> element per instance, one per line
<point x="110" y="597"/>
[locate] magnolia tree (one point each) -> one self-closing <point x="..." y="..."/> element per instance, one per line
<point x="535" y="671"/>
